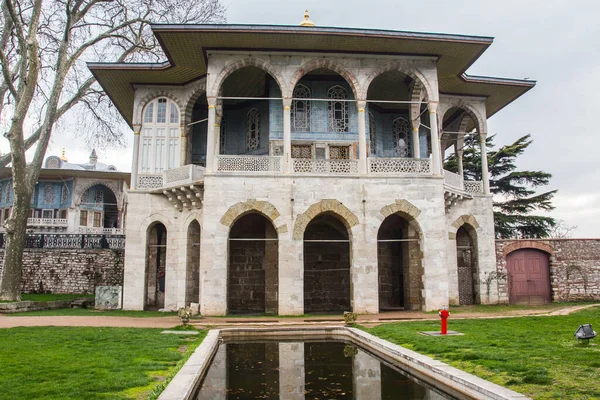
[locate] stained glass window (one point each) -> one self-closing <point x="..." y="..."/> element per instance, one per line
<point x="338" y="109"/>
<point x="252" y="129"/>
<point x="65" y="194"/>
<point x="402" y="137"/>
<point x="99" y="195"/>
<point x="48" y="194"/>
<point x="301" y="109"/>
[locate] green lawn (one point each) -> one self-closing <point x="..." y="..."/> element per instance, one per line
<point x="90" y="312"/>
<point x="49" y="297"/>
<point x="503" y="308"/>
<point x="88" y="363"/>
<point x="537" y="356"/>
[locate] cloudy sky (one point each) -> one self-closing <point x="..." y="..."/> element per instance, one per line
<point x="554" y="42"/>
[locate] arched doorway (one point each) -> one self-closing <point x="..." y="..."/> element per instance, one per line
<point x="528" y="277"/>
<point x="399" y="265"/>
<point x="156" y="259"/>
<point x="252" y="277"/>
<point x="327" y="285"/>
<point x="192" y="287"/>
<point x="466" y="263"/>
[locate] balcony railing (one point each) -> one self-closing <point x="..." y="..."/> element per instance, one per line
<point x="69" y="241"/>
<point x="101" y="231"/>
<point x="457" y="182"/>
<point x="149" y="182"/>
<point x="248" y="163"/>
<point x="183" y="175"/>
<point x="307" y="165"/>
<point x="400" y="165"/>
<point x="48" y="222"/>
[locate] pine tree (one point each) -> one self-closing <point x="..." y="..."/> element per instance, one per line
<point x="515" y="197"/>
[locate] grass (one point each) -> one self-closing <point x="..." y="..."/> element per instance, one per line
<point x="502" y="308"/>
<point x="537" y="356"/>
<point x="89" y="363"/>
<point x="90" y="312"/>
<point x="49" y="297"/>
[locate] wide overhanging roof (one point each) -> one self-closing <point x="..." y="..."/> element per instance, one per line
<point x="186" y="47"/>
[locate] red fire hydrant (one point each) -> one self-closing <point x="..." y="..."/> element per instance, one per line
<point x="444" y="314"/>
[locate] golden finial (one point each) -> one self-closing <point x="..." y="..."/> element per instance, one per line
<point x="63" y="156"/>
<point x="307" y="21"/>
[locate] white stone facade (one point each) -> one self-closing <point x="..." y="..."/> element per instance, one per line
<point x="360" y="199"/>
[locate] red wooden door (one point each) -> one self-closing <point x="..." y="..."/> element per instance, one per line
<point x="528" y="277"/>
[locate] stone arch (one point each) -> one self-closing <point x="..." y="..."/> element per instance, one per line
<point x="328" y="64"/>
<point x="110" y="186"/>
<point x="246" y="62"/>
<point x="198" y="90"/>
<point x="460" y="221"/>
<point x="347" y="217"/>
<point x="155" y="218"/>
<point x="527" y="244"/>
<point x="405" y="209"/>
<point x="264" y="208"/>
<point x="153" y="95"/>
<point x="400" y="67"/>
<point x="471" y="111"/>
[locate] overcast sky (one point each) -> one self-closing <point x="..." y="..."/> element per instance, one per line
<point x="553" y="42"/>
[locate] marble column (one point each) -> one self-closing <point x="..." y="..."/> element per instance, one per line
<point x="416" y="146"/>
<point x="136" y="155"/>
<point x="287" y="135"/>
<point x="435" y="140"/>
<point x="210" y="135"/>
<point x="484" y="163"/>
<point x="362" y="137"/>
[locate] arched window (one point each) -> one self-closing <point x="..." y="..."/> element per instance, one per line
<point x="301" y="109"/>
<point x="252" y="129"/>
<point x="372" y="133"/>
<point x="159" y="147"/>
<point x="402" y="138"/>
<point x="64" y="197"/>
<point x="338" y="109"/>
<point x="48" y="193"/>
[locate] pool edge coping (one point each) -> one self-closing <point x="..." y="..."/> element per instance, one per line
<point x="184" y="384"/>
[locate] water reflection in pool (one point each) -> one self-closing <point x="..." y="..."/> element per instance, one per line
<point x="305" y="370"/>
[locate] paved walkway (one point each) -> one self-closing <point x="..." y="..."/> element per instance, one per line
<point x="211" y="322"/>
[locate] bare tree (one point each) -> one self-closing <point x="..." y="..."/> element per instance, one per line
<point x="44" y="45"/>
<point x="562" y="230"/>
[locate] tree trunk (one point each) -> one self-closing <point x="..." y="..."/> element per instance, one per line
<point x="16" y="226"/>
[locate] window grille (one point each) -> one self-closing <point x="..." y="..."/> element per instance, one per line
<point x="97" y="220"/>
<point x="402" y="137"/>
<point x="48" y="194"/>
<point x="372" y="133"/>
<point x="65" y="194"/>
<point x="223" y="136"/>
<point x="338" y="110"/>
<point x="301" y="109"/>
<point x="302" y="151"/>
<point x="252" y="129"/>
<point x="48" y="214"/>
<point x="339" y="152"/>
<point x="99" y="196"/>
<point x="83" y="218"/>
<point x="161" y="111"/>
<point x="149" y="113"/>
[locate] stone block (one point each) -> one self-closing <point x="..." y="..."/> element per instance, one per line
<point x="108" y="297"/>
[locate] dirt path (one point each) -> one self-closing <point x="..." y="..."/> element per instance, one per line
<point x="209" y="322"/>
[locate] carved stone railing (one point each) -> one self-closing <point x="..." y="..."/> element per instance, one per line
<point x="70" y="241"/>
<point x="473" y="186"/>
<point x="49" y="222"/>
<point x="453" y="180"/>
<point x="400" y="165"/>
<point x="307" y="165"/>
<point x="101" y="231"/>
<point x="149" y="182"/>
<point x="183" y="175"/>
<point x="248" y="163"/>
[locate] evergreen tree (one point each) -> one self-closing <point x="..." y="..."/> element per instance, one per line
<point x="515" y="197"/>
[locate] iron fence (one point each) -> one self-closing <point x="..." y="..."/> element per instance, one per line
<point x="70" y="241"/>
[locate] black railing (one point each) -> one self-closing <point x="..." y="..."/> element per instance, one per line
<point x="68" y="241"/>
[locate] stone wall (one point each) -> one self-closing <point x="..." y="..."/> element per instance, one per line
<point x="70" y="270"/>
<point x="574" y="266"/>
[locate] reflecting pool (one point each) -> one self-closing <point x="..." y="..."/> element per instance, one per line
<point x="306" y="370"/>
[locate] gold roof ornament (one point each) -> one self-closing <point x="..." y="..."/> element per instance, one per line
<point x="307" y="21"/>
<point x="63" y="156"/>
